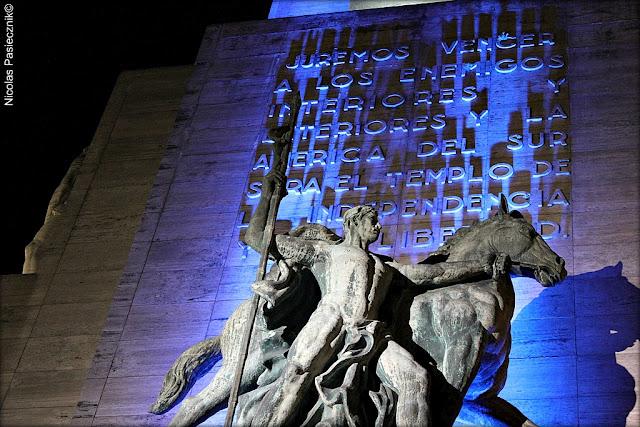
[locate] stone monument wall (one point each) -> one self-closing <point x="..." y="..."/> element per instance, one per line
<point x="428" y="113"/>
<point x="52" y="318"/>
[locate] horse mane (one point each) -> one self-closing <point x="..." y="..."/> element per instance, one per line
<point x="443" y="251"/>
<point x="315" y="232"/>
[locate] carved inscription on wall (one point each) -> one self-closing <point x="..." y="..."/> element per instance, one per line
<point x="427" y="128"/>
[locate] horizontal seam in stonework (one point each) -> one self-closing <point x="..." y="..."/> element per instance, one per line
<point x="570" y="356"/>
<point x="604" y="244"/>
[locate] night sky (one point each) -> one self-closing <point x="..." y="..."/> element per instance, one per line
<point x="67" y="60"/>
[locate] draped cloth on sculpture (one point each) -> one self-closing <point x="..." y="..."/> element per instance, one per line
<point x="344" y="389"/>
<point x="288" y="296"/>
<point x="342" y="386"/>
<point x="349" y="384"/>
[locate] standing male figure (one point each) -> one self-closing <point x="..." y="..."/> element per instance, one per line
<point x="354" y="283"/>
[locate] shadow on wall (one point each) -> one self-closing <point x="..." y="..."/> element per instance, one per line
<point x="574" y="361"/>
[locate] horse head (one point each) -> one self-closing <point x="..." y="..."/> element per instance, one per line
<point x="510" y="233"/>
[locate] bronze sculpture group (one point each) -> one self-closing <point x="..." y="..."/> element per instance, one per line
<point x="343" y="336"/>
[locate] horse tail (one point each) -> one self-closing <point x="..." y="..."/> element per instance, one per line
<point x="192" y="363"/>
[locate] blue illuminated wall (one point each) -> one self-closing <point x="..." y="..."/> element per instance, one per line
<point x="455" y="103"/>
<point x="428" y="122"/>
<point x="289" y="8"/>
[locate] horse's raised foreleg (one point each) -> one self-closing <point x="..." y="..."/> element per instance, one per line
<point x="214" y="396"/>
<point x="464" y="340"/>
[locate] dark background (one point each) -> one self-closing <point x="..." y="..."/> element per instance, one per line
<point x="67" y="59"/>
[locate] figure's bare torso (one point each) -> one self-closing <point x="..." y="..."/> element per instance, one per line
<point x="355" y="280"/>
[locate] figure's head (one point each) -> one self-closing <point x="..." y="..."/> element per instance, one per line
<point x="362" y="221"/>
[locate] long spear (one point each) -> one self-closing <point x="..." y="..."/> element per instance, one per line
<point x="267" y="238"/>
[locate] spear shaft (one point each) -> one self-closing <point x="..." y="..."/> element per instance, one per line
<point x="267" y="239"/>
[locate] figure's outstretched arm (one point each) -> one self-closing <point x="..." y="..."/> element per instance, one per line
<point x="449" y="273"/>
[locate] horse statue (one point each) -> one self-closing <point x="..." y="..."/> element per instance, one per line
<point x="460" y="332"/>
